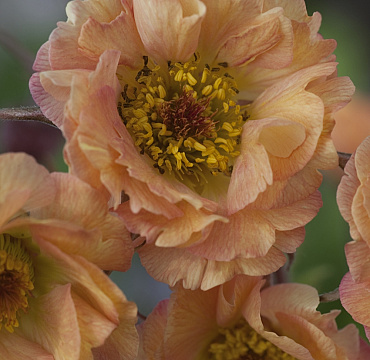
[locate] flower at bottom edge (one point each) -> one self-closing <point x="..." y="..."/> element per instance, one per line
<point x="238" y="320"/>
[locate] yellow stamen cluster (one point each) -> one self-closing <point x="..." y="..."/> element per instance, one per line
<point x="16" y="280"/>
<point x="242" y="342"/>
<point x="185" y="118"/>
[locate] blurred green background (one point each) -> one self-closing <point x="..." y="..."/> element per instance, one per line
<point x="320" y="261"/>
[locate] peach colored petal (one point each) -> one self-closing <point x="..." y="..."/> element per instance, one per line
<point x="358" y="259"/>
<point x="224" y="20"/>
<point x="307" y="51"/>
<point x="281" y="137"/>
<point x="260" y="37"/>
<point x="191" y="342"/>
<point x="195" y="272"/>
<point x="54" y="324"/>
<point x="15" y="347"/>
<point x="355" y="298"/>
<point x="345" y="194"/>
<point x="152" y="332"/>
<point x="239" y="238"/>
<point x="291" y="308"/>
<point x="251" y="171"/>
<point x="63" y="51"/>
<point x="274" y="103"/>
<point x="107" y="242"/>
<point x="362" y="160"/>
<point x="352" y="125"/>
<point x="242" y="292"/>
<point x="169" y="232"/>
<point x="120" y="34"/>
<point x="94" y="326"/>
<point x="95" y="289"/>
<point x="25" y="185"/>
<point x="361" y="210"/>
<point x="289" y="241"/>
<point x="295" y="10"/>
<point x="169" y="29"/>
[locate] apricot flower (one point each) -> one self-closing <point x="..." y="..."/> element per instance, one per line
<point x="56" y="236"/>
<point x="353" y="200"/>
<point x="211" y="116"/>
<point x="238" y="320"/>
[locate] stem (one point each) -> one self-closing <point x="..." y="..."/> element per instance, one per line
<point x="343" y="159"/>
<point x="330" y="296"/>
<point x="25" y="113"/>
<point x="141" y="316"/>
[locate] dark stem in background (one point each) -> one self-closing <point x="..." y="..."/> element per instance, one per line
<point x="343" y="159"/>
<point x="24" y="113"/>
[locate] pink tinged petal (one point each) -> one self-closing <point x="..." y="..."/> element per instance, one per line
<point x="54" y="324"/>
<point x="361" y="211"/>
<point x="169" y="29"/>
<point x="42" y="58"/>
<point x="358" y="259"/>
<point x="64" y="53"/>
<point x="355" y="299"/>
<point x="362" y="158"/>
<point x="120" y="34"/>
<point x="15" y="347"/>
<point x="345" y="194"/>
<point x="50" y="107"/>
<point x="152" y="332"/>
<point x="364" y="346"/>
<point x="25" y="185"/>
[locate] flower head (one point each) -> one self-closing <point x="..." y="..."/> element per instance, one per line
<point x="238" y="320"/>
<point x="353" y="200"/>
<point x="56" y="236"/>
<point x="213" y="117"/>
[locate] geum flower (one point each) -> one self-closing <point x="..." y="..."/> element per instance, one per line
<point x="213" y="117"/>
<point x="56" y="236"/>
<point x="353" y="199"/>
<point x="238" y="320"/>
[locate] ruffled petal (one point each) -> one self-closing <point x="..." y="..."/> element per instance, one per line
<point x="169" y="29"/>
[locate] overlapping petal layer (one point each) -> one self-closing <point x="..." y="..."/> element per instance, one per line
<point x="353" y="200"/>
<point x="199" y="324"/>
<point x="56" y="238"/>
<point x="280" y="76"/>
